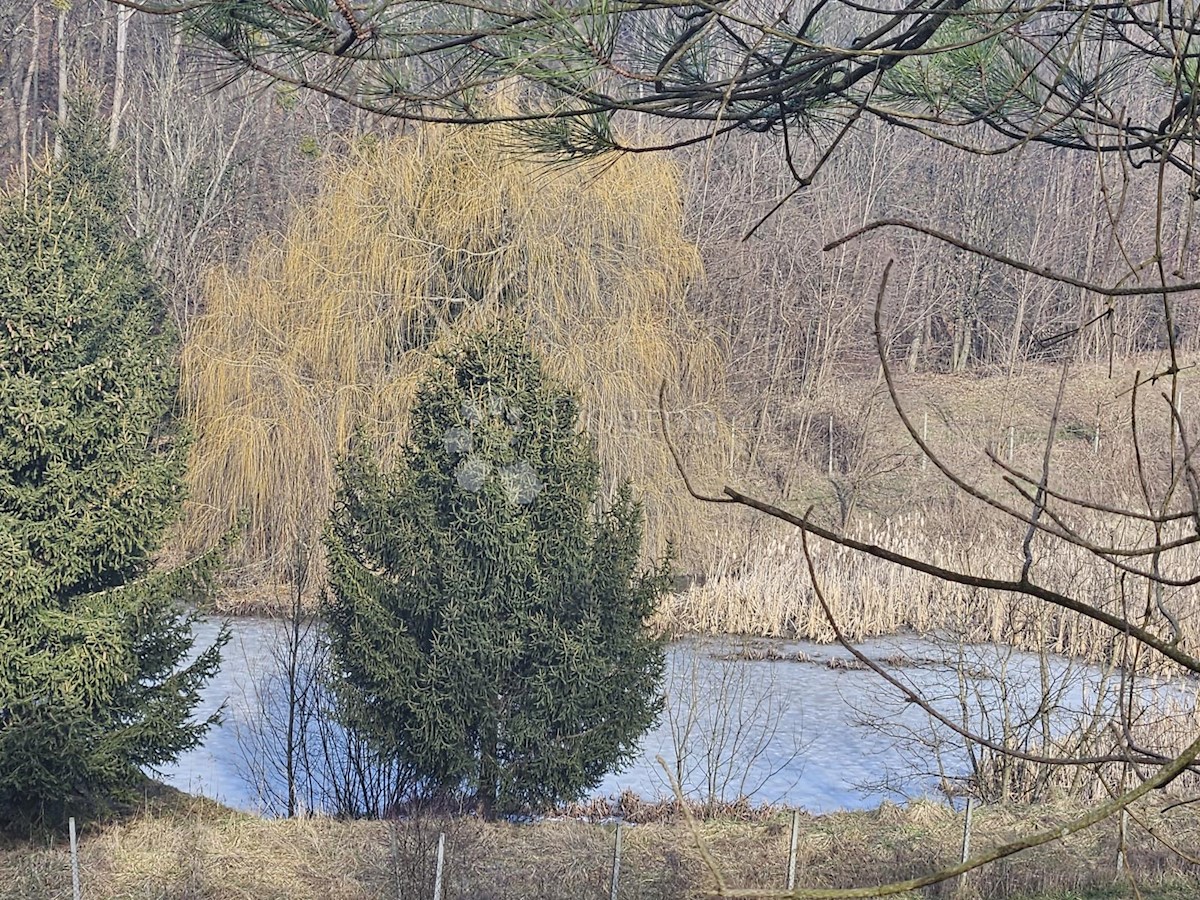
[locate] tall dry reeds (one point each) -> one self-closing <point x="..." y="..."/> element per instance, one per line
<point x="765" y="590"/>
<point x="1056" y="710"/>
<point x="323" y="332"/>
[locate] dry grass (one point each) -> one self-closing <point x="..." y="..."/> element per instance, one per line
<point x="767" y="592"/>
<point x="327" y="328"/>
<point x="758" y="583"/>
<point x="201" y="850"/>
<point x="962" y="415"/>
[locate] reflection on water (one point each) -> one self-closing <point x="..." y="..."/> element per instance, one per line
<point x="801" y="728"/>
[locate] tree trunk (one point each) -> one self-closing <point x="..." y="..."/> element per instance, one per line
<point x="919" y="346"/>
<point x="62" y="81"/>
<point x="30" y="77"/>
<point x="489" y="774"/>
<point x="118" y="97"/>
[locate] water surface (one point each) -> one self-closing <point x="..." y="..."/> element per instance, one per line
<point x="800" y="728"/>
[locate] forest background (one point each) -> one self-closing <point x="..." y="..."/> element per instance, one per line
<point x="767" y="342"/>
<point x="250" y="194"/>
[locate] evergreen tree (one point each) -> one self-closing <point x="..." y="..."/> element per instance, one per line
<point x="93" y="683"/>
<point x="490" y="624"/>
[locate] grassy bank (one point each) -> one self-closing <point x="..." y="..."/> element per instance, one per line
<point x="852" y="466"/>
<point x="187" y="847"/>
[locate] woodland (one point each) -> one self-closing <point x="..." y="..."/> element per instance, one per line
<point x="902" y="365"/>
<point x="252" y="194"/>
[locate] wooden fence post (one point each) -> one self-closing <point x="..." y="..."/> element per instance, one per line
<point x="793" y="850"/>
<point x="75" y="892"/>
<point x="616" y="868"/>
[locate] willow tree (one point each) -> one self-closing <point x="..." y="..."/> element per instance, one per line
<point x="324" y="330"/>
<point x="95" y="680"/>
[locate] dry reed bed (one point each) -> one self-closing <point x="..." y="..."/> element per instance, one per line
<point x="757" y="580"/>
<point x="205" y="851"/>
<point x="768" y="592"/>
<point x="771" y="594"/>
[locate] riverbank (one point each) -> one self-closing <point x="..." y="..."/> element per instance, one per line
<point x="181" y="846"/>
<point x="764" y="590"/>
<point x="750" y="576"/>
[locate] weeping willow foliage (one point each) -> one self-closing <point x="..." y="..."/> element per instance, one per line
<point x="323" y="333"/>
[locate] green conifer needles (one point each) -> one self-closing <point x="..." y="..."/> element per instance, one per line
<point x="92" y="685"/>
<point x="489" y="622"/>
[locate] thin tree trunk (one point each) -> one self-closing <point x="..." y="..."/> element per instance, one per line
<point x="489" y="775"/>
<point x="62" y="82"/>
<point x="23" y="109"/>
<point x="920" y="343"/>
<point x="1016" y="344"/>
<point x="118" y="97"/>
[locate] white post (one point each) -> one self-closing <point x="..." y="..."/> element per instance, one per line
<point x="793" y="849"/>
<point x="396" y="861"/>
<point x="616" y="872"/>
<point x="1010" y="443"/>
<point x="966" y="841"/>
<point x="74" y="859"/>
<point x="437" y="878"/>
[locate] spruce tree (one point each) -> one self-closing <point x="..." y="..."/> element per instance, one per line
<point x="94" y="682"/>
<point x="488" y="619"/>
